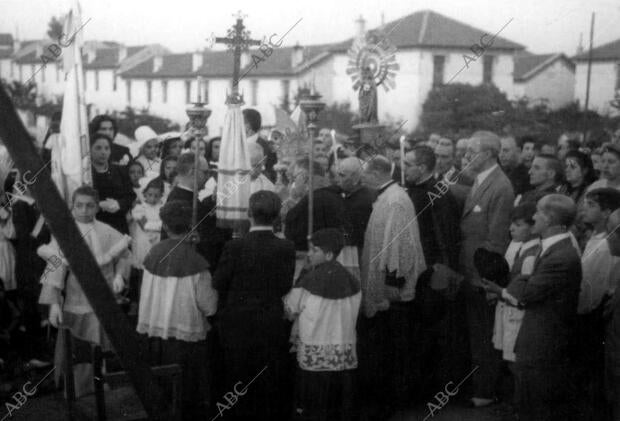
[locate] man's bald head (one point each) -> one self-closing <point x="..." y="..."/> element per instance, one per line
<point x="349" y="173"/>
<point x="613" y="233"/>
<point x="377" y="171"/>
<point x="482" y="151"/>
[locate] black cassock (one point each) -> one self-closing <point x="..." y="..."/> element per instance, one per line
<point x="212" y="238"/>
<point x="357" y="210"/>
<point x="328" y="212"/>
<point x="440" y="322"/>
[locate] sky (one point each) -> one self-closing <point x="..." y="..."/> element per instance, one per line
<point x="543" y="26"/>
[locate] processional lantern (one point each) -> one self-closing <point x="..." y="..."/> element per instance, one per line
<point x="311" y="105"/>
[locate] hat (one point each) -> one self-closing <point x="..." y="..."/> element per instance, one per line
<point x="169" y="135"/>
<point x="329" y="239"/>
<point x="492" y="266"/>
<point x="142" y="134"/>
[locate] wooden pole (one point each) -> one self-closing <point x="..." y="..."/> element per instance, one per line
<point x="116" y="326"/>
<point x="587" y="104"/>
<point x="311" y="187"/>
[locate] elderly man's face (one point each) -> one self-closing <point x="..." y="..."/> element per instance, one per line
<point x="370" y="178"/>
<point x="348" y="178"/>
<point x="444" y="157"/>
<point x="475" y="157"/>
<point x="507" y="153"/>
<point x="541" y="220"/>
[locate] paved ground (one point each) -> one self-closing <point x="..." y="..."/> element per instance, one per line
<point x="122" y="402"/>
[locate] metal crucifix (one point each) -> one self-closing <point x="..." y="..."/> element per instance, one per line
<point x="238" y="40"/>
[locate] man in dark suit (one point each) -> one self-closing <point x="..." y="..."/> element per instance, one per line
<point x="253" y="275"/>
<point x="484" y="223"/>
<point x="253" y="122"/>
<point x="549" y="297"/>
<point x="104" y="124"/>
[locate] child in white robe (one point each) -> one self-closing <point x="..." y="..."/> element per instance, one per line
<point x="325" y="303"/>
<point x="147" y="228"/>
<point x="72" y="309"/>
<point x="176" y="298"/>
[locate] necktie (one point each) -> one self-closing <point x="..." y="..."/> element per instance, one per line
<point x="475" y="187"/>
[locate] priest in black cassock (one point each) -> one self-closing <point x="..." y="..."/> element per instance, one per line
<point x="440" y="329"/>
<point x="358" y="201"/>
<point x="212" y="239"/>
<point x="328" y="208"/>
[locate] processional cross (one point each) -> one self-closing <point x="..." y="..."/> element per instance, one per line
<point x="238" y="41"/>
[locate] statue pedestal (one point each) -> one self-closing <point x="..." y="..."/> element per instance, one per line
<point x="371" y="134"/>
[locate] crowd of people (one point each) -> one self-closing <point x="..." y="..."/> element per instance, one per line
<point x="495" y="262"/>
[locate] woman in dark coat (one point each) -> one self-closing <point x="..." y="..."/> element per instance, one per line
<point x="112" y="182"/>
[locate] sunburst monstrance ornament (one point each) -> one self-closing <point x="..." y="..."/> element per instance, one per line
<point x="377" y="54"/>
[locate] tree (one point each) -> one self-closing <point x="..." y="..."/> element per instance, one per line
<point x="54" y="28"/>
<point x="129" y="120"/>
<point x="459" y="109"/>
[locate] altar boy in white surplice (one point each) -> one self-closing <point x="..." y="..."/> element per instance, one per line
<point x="176" y="298"/>
<point x="73" y="311"/>
<point x="325" y="303"/>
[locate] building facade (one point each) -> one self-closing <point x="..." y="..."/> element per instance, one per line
<point x="431" y="50"/>
<point x="604" y="78"/>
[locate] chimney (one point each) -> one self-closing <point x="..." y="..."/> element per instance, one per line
<point x="122" y="53"/>
<point x="90" y="52"/>
<point x="580" y="46"/>
<point x="17" y="45"/>
<point x="197" y="60"/>
<point x="360" y="27"/>
<point x="297" y="57"/>
<point x="244" y="59"/>
<point x="157" y="62"/>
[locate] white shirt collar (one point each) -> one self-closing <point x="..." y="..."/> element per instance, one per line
<point x="261" y="228"/>
<point x="529" y="244"/>
<point x="484" y="174"/>
<point x="184" y="187"/>
<point x="549" y="241"/>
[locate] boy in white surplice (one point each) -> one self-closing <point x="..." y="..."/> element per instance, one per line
<point x="326" y="303"/>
